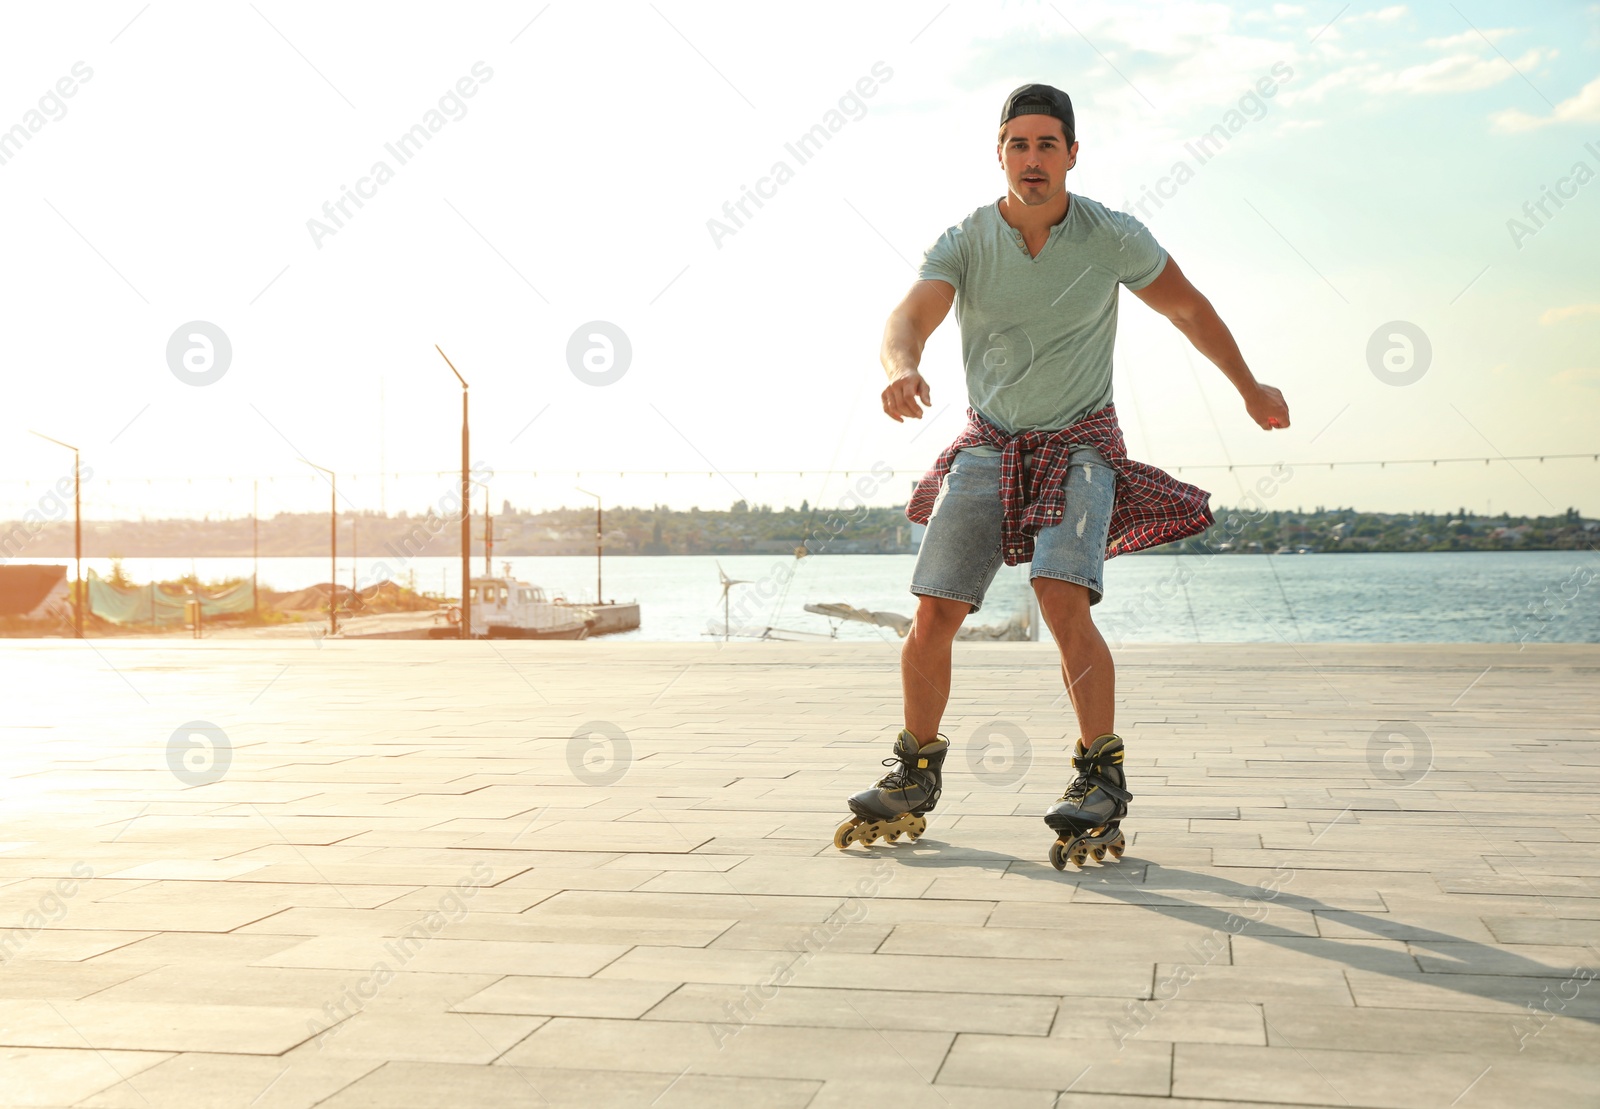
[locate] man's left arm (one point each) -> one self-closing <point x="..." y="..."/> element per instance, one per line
<point x="1174" y="297"/>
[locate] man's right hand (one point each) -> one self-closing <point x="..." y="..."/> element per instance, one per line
<point x="1267" y="407"/>
<point x="901" y="395"/>
<point x="904" y="336"/>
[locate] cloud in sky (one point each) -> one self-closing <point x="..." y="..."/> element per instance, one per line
<point x="1568" y="312"/>
<point x="1463" y="72"/>
<point x="1349" y="19"/>
<point x="1583" y="107"/>
<point x="1586" y="376"/>
<point x="1468" y="38"/>
<point x="1466" y="64"/>
<point x="1382" y="15"/>
<point x="1175" y="34"/>
<point x="1197" y="54"/>
<point x="1355" y="75"/>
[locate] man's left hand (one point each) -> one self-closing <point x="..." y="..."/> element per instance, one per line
<point x="1267" y="408"/>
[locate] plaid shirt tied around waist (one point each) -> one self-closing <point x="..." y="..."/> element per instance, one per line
<point x="1151" y="507"/>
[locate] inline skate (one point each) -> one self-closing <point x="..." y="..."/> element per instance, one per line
<point x="898" y="805"/>
<point x="1087" y="819"/>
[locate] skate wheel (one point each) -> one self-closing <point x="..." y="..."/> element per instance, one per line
<point x="891" y="837"/>
<point x="1058" y="855"/>
<point x="867" y="833"/>
<point x="918" y="825"/>
<point x="1117" y="846"/>
<point x="1099" y="854"/>
<point x="1079" y="854"/>
<point x="843" y="836"/>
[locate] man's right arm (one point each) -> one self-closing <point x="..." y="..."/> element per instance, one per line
<point x="904" y="336"/>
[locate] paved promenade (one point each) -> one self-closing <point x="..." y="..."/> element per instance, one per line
<point x="413" y="874"/>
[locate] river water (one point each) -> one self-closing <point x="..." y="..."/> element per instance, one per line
<point x="1455" y="597"/>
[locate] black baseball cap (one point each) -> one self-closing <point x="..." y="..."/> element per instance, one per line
<point x="1040" y="100"/>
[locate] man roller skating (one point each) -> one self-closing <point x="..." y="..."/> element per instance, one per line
<point x="1040" y="473"/>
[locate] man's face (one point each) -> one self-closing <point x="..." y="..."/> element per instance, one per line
<point x="1036" y="158"/>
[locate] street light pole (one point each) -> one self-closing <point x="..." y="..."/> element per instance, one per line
<point x="77" y="540"/>
<point x="488" y="536"/>
<point x="466" y="506"/>
<point x="333" y="557"/>
<point x="599" y="541"/>
<point x="77" y="535"/>
<point x="255" y="550"/>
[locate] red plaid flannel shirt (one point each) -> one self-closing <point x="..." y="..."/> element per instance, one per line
<point x="1151" y="507"/>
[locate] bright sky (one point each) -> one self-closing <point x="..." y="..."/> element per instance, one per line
<point x="576" y="185"/>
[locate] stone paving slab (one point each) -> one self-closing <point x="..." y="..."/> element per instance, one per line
<point x="597" y="874"/>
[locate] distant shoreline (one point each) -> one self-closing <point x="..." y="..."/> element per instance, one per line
<point x="1166" y="551"/>
<point x="748" y="530"/>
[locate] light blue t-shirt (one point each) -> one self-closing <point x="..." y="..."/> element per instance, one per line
<point x="1037" y="333"/>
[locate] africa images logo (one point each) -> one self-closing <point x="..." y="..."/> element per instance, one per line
<point x="1250" y="108"/>
<point x="851" y="107"/>
<point x="452" y="107"/>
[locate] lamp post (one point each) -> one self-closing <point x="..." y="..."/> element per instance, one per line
<point x="255" y="550"/>
<point x="77" y="535"/>
<point x="599" y="537"/>
<point x="466" y="506"/>
<point x="333" y="557"/>
<point x="488" y="536"/>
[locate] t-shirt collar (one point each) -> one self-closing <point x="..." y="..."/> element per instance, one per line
<point x="1055" y="228"/>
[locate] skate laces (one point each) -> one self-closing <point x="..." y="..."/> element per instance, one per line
<point x="1078" y="790"/>
<point x="898" y="777"/>
<point x="1089" y="773"/>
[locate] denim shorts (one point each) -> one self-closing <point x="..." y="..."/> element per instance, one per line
<point x="961" y="551"/>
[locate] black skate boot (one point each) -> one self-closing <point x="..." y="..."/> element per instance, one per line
<point x="1087" y="818"/>
<point x="898" y="805"/>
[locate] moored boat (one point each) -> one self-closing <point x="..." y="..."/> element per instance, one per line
<point x="505" y="607"/>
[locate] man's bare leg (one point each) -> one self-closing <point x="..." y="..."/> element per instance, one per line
<point x="1087" y="818"/>
<point x="1086" y="665"/>
<point x="898" y="805"/>
<point x="925" y="663"/>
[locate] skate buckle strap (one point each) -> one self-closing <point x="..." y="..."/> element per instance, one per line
<point x="1113" y="789"/>
<point x="1086" y="784"/>
<point x="1091" y="771"/>
<point x="1092" y="763"/>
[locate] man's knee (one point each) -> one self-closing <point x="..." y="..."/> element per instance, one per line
<point x="939" y="616"/>
<point x="1062" y="600"/>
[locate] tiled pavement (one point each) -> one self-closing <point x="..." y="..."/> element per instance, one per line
<point x="1364" y="876"/>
